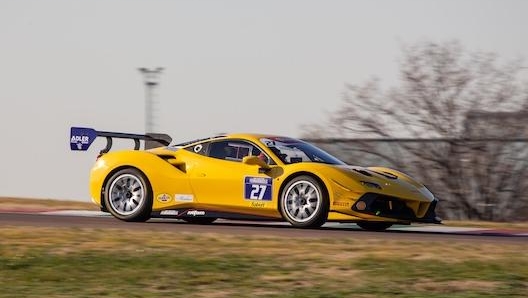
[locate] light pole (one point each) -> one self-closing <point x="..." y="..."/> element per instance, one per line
<point x="151" y="80"/>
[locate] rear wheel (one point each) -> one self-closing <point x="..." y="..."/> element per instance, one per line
<point x="128" y="195"/>
<point x="303" y="203"/>
<point x="374" y="226"/>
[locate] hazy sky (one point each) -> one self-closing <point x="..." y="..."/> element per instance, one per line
<point x="253" y="66"/>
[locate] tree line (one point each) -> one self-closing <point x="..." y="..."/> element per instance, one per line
<point x="457" y="122"/>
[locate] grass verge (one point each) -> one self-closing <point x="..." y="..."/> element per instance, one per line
<point x="74" y="262"/>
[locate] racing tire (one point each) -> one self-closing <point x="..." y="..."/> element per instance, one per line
<point x="128" y="195"/>
<point x="304" y="203"/>
<point x="374" y="226"/>
<point x="200" y="220"/>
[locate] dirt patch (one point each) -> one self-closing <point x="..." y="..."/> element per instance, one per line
<point x="453" y="286"/>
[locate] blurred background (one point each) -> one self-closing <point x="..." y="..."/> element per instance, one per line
<point x="436" y="89"/>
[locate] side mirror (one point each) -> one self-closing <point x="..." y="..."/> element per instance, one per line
<point x="255" y="160"/>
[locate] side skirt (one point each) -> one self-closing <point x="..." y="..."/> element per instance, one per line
<point x="196" y="213"/>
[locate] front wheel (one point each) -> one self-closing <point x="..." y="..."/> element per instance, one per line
<point x="303" y="203"/>
<point x="374" y="226"/>
<point x="128" y="195"/>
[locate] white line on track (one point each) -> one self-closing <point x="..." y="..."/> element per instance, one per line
<point x="83" y="213"/>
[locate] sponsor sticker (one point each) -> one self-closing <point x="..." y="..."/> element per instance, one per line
<point x="341" y="204"/>
<point x="257" y="188"/>
<point x="183" y="197"/>
<point x="258" y="204"/>
<point x="198" y="148"/>
<point x="164" y="198"/>
<point x="169" y="212"/>
<point x="81" y="138"/>
<point x="195" y="213"/>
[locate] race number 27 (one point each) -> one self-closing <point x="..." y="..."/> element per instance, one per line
<point x="257" y="188"/>
<point x="257" y="191"/>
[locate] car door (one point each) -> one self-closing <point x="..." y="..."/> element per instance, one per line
<point x="221" y="181"/>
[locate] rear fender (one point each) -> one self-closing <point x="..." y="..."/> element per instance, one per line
<point x="166" y="177"/>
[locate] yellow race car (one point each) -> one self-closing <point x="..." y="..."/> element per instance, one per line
<point x="248" y="176"/>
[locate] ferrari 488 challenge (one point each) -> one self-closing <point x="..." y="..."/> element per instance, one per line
<point x="248" y="176"/>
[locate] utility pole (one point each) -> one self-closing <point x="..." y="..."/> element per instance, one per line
<point x="151" y="80"/>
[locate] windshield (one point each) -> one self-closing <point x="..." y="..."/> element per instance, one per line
<point x="293" y="151"/>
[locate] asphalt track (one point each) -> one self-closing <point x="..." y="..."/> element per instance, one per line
<point x="330" y="230"/>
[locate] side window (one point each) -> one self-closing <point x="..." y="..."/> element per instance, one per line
<point x="234" y="150"/>
<point x="257" y="152"/>
<point x="218" y="150"/>
<point x="198" y="148"/>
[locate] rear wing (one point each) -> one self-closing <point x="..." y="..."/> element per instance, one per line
<point x="82" y="137"/>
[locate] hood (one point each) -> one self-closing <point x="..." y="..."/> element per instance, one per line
<point x="389" y="182"/>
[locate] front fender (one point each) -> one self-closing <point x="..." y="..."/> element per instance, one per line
<point x="340" y="186"/>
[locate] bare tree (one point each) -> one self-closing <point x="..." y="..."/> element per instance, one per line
<point x="448" y="95"/>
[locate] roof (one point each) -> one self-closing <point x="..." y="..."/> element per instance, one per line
<point x="248" y="136"/>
